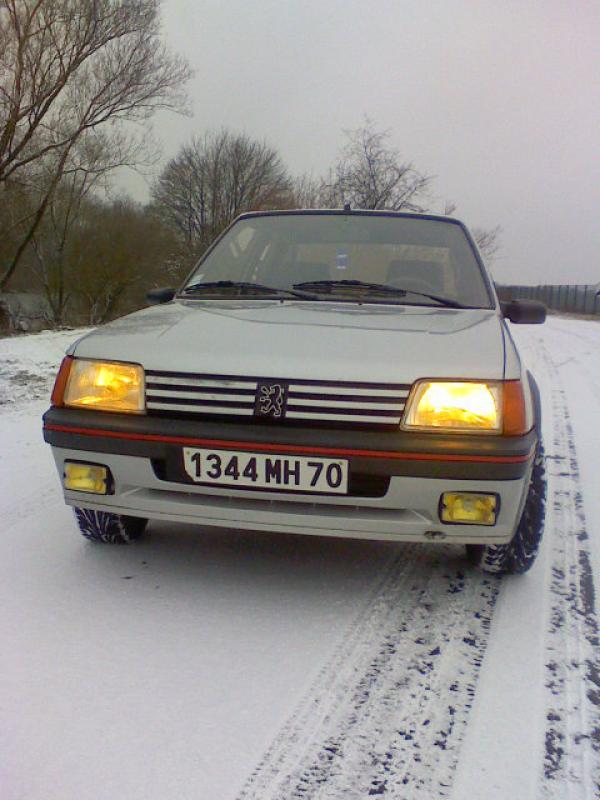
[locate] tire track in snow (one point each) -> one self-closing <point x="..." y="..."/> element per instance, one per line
<point x="572" y="735"/>
<point x="582" y="357"/>
<point x="387" y="714"/>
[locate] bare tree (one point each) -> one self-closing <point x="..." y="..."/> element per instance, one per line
<point x="15" y="215"/>
<point x="116" y="251"/>
<point x="306" y="192"/>
<point x="371" y="174"/>
<point x="75" y="70"/>
<point x="49" y="245"/>
<point x="488" y="241"/>
<point x="212" y="180"/>
<point x="92" y="160"/>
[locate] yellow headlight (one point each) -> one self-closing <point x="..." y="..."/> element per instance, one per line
<point x="105" y="386"/>
<point x="455" y="406"/>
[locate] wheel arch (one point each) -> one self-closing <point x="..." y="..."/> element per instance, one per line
<point x="536" y="400"/>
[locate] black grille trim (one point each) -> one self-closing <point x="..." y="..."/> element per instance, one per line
<point x="296" y="381"/>
<point x="331" y="402"/>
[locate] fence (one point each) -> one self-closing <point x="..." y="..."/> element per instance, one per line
<point x="582" y="299"/>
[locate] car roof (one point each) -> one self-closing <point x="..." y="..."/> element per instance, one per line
<point x="344" y="212"/>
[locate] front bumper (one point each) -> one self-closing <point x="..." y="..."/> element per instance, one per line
<point x="144" y="456"/>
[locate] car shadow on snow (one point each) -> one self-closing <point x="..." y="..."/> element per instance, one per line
<point x="181" y="557"/>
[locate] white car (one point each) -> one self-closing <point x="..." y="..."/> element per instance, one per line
<point x="339" y="373"/>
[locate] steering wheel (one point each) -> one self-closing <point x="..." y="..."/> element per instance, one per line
<point x="415" y="284"/>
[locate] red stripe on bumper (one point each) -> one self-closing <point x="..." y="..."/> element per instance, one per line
<point x="291" y="448"/>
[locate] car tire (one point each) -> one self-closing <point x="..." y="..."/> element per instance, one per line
<point x="107" y="528"/>
<point x="518" y="555"/>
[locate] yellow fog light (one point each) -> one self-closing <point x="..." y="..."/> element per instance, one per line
<point x="464" y="508"/>
<point x="86" y="477"/>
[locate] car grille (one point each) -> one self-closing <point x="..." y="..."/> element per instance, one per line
<point x="307" y="400"/>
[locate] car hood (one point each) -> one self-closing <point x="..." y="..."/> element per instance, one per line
<point x="315" y="340"/>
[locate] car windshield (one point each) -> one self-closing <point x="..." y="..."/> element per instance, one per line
<point x="350" y="257"/>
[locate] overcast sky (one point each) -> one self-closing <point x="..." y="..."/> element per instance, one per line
<point x="499" y="100"/>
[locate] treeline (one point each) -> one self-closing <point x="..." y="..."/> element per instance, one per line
<point x="95" y="258"/>
<point x="92" y="258"/>
<point x="79" y="82"/>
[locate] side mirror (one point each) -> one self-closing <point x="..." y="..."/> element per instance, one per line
<point x="162" y="295"/>
<point x="524" y="311"/>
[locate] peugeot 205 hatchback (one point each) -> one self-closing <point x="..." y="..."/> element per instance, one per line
<point x="339" y="373"/>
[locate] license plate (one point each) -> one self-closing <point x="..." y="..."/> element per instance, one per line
<point x="262" y="471"/>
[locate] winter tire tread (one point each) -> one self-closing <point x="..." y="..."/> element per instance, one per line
<point x="108" y="528"/>
<point x="518" y="555"/>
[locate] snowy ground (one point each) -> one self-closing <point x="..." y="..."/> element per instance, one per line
<point x="228" y="666"/>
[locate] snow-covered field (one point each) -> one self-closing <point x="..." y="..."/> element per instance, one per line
<point x="216" y="665"/>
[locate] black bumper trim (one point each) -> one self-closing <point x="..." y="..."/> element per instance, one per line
<point x="391" y="453"/>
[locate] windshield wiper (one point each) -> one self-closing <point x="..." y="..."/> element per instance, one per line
<point x="377" y="288"/>
<point x="330" y="286"/>
<point x="246" y="287"/>
<point x="443" y="301"/>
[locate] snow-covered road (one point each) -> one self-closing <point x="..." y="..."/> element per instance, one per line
<point x="239" y="666"/>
